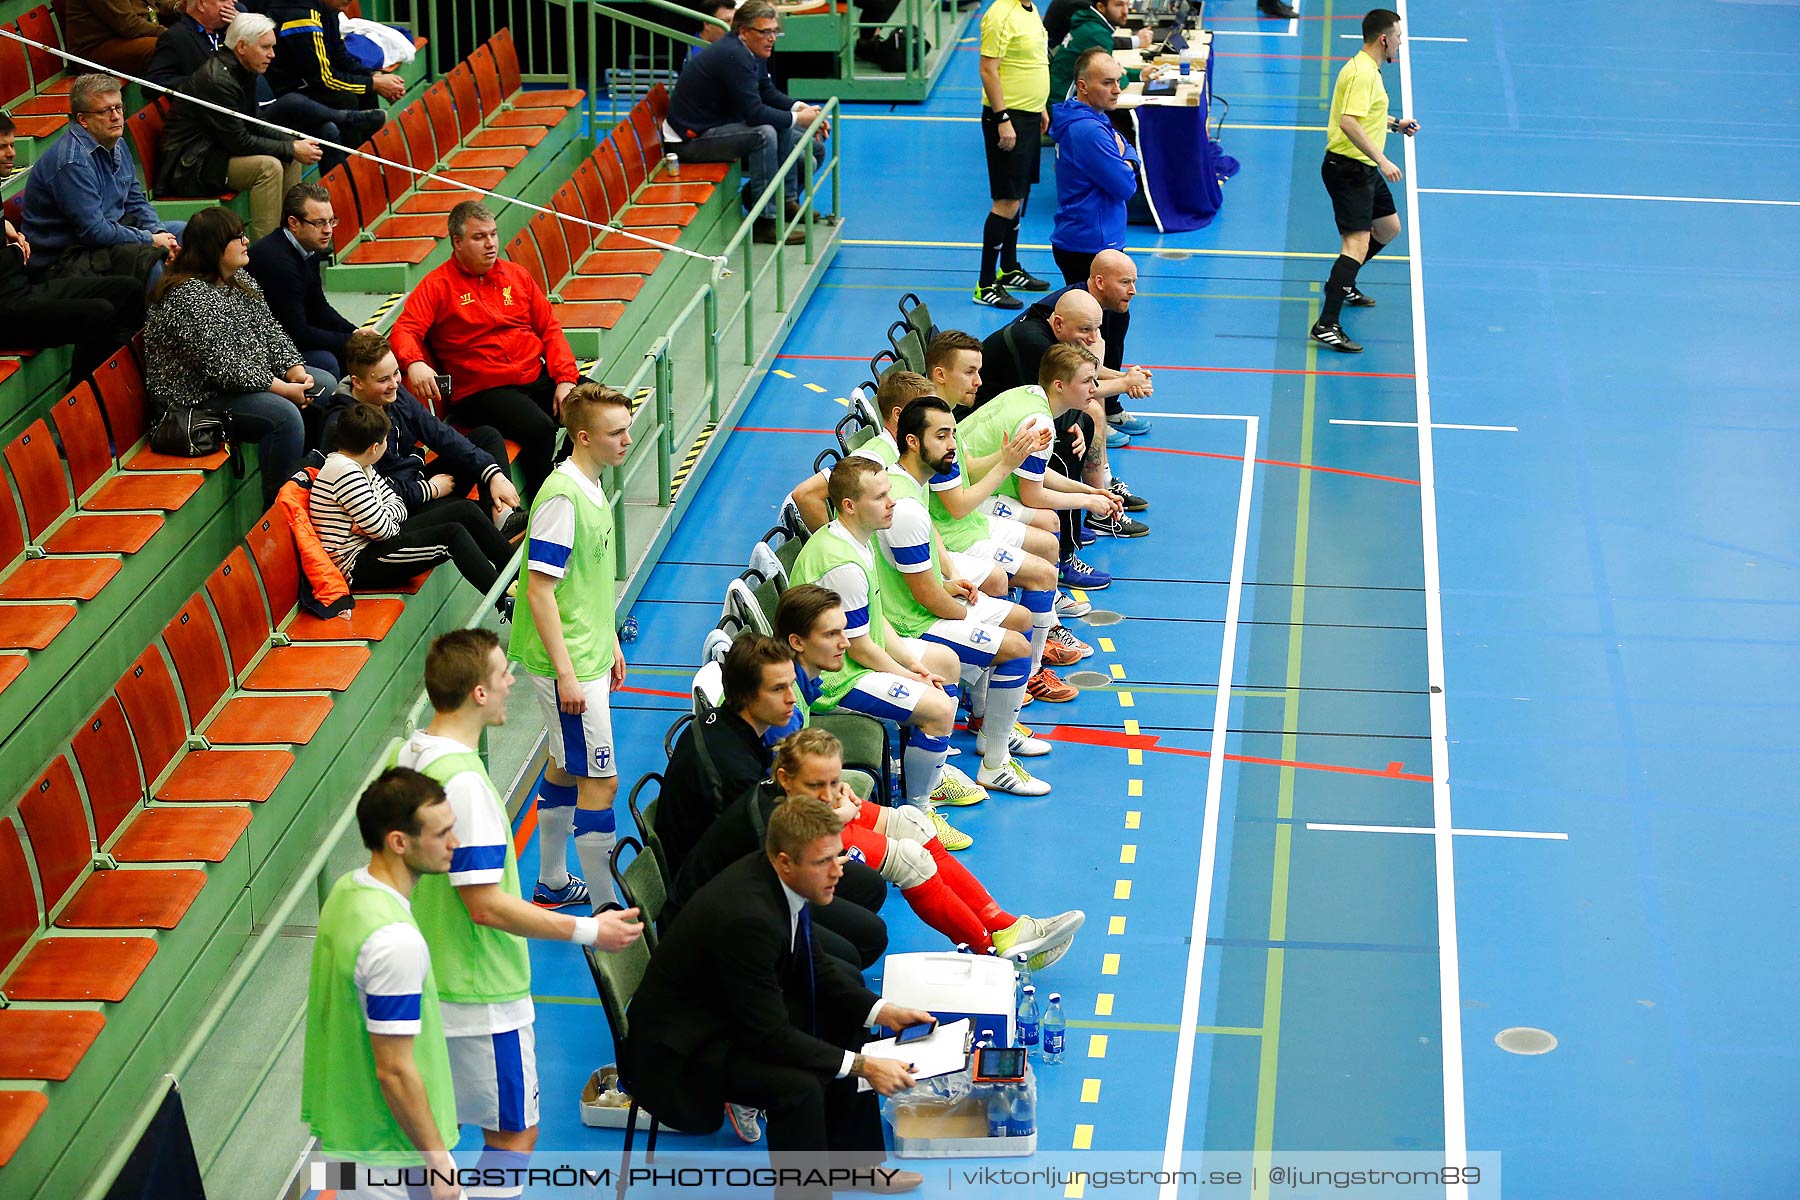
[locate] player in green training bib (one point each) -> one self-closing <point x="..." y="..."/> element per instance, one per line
<point x="563" y="635"/>
<point x="474" y="919"/>
<point x="376" y="1087"/>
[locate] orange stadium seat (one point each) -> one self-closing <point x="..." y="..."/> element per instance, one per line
<point x="120" y="384"/>
<point x="51" y="519"/>
<point x="224" y="718"/>
<point x="172" y="772"/>
<point x="278" y="562"/>
<point x="239" y="604"/>
<point x="98" y="483"/>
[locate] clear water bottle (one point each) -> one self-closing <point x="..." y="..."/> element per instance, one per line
<point x="1022" y="1121"/>
<point x="999" y="1113"/>
<point x="986" y="1040"/>
<point x="963" y="948"/>
<point x="628" y="632"/>
<point x="672" y="165"/>
<point x="1056" y="1028"/>
<point x="1028" y="1020"/>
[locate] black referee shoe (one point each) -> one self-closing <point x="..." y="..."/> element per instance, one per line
<point x="1335" y="337"/>
<point x="1356" y="299"/>
<point x="1020" y="280"/>
<point x="994" y="295"/>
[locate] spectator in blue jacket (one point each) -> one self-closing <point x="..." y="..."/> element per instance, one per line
<point x="724" y="96"/>
<point x="459" y="461"/>
<point x="1096" y="169"/>
<point x="86" y="214"/>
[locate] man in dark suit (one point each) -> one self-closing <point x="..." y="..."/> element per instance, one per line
<point x="740" y="1004"/>
<point x="286" y="264"/>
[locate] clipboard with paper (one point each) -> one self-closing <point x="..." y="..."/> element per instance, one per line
<point x="945" y="1051"/>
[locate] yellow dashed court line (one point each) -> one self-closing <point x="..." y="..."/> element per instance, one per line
<point x="1131" y="728"/>
<point x="1109" y="965"/>
<point x="1097" y="1045"/>
<point x="784" y="374"/>
<point x="1134" y="787"/>
<point x="1127" y="854"/>
<point x="840" y="400"/>
<point x="1106" y="645"/>
<point x="1078" y="594"/>
<point x="813" y="387"/>
<point x="1115" y="926"/>
<point x="1134" y="757"/>
<point x="1118" y="672"/>
<point x="1074" y="1190"/>
<point x="1122" y="889"/>
<point x="1084" y="1137"/>
<point x="1125" y="700"/>
<point x="1090" y="1091"/>
<point x="1103" y="1004"/>
<point x="1132" y="819"/>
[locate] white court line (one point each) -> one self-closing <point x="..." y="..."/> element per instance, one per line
<point x="1357" y="37"/>
<point x="1415" y="425"/>
<point x="1456" y="1132"/>
<point x="1193" y="416"/>
<point x="1209" y="832"/>
<point x="1608" y="196"/>
<point x="1497" y="833"/>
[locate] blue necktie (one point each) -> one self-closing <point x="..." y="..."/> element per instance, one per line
<point x="803" y="959"/>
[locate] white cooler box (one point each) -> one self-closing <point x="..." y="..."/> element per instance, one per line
<point x="952" y="986"/>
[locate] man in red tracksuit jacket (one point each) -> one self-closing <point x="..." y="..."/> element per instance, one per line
<point x="486" y="324"/>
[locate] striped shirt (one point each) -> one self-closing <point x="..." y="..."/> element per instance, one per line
<point x="352" y="506"/>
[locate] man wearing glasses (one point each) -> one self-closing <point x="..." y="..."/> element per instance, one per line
<point x="287" y="265"/>
<point x="726" y="106"/>
<point x="86" y="214"/>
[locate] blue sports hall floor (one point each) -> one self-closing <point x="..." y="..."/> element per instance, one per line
<point x="1468" y="704"/>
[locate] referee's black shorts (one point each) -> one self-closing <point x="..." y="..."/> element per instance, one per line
<point x="1012" y="172"/>
<point x="1359" y="195"/>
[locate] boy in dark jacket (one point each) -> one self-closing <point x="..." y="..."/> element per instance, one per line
<point x="476" y="460"/>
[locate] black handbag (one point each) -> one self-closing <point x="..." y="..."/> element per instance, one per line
<point x="194" y="433"/>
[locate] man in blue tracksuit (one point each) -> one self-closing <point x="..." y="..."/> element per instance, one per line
<point x="1096" y="173"/>
<point x="1096" y="169"/>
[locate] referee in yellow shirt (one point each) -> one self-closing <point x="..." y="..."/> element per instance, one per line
<point x="1357" y="173"/>
<point x="1015" y="92"/>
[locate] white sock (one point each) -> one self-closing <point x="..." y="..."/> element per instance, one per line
<point x="556" y="818"/>
<point x="595" y="837"/>
<point x="1006" y="694"/>
<point x="923" y="766"/>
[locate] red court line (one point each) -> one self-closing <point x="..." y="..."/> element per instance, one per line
<point x="527" y="826"/>
<point x="1143" y="741"/>
<point x="1276" y="462"/>
<point x="1156" y="367"/>
<point x="1302" y="57"/>
<point x="637" y="691"/>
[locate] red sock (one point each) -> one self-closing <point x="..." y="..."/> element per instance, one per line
<point x="940" y="908"/>
<point x="968" y="888"/>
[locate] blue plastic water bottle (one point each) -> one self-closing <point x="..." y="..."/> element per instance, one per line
<point x="1028" y="1020"/>
<point x="1055" y="1030"/>
<point x="999" y="1113"/>
<point x="1022" y="1122"/>
<point x="1021" y="977"/>
<point x="628" y="632"/>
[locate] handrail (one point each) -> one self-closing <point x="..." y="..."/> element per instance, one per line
<point x="658" y="365"/>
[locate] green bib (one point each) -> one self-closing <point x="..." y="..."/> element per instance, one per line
<point x="958" y="533"/>
<point x="910" y="618"/>
<point x="473" y="964"/>
<point x="989" y="426"/>
<point x="585" y="595"/>
<point x="339" y="1095"/>
<point x="824" y="551"/>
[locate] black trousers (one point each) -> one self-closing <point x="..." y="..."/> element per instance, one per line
<point x="1064" y="459"/>
<point x="521" y="413"/>
<point x="447" y="530"/>
<point x="849" y="928"/>
<point x="809" y="1113"/>
<point x="93" y="315"/>
<point x="486" y="439"/>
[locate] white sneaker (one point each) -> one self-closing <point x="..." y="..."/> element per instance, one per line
<point x="1012" y="779"/>
<point x="1023" y="745"/>
<point x="743" y="1121"/>
<point x="1069" y="606"/>
<point x="1041" y="941"/>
